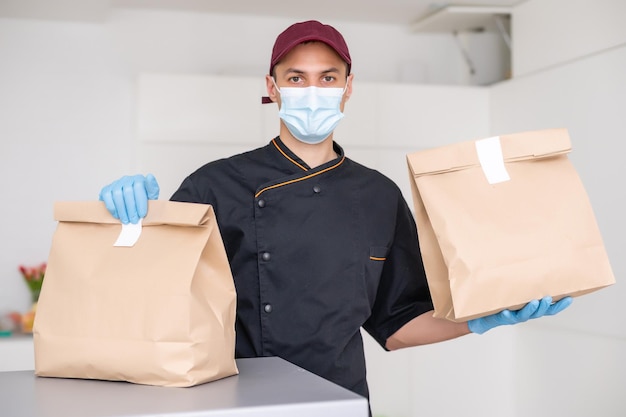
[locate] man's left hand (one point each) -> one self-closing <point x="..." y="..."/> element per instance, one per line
<point x="533" y="310"/>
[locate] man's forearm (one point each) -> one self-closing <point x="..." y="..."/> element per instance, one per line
<point x="425" y="329"/>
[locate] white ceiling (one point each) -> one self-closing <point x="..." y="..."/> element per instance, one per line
<point x="402" y="12"/>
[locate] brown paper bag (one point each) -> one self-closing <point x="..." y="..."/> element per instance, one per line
<point x="161" y="312"/>
<point x="503" y="221"/>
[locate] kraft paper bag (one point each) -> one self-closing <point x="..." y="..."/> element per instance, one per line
<point x="502" y="221"/>
<point x="158" y="311"/>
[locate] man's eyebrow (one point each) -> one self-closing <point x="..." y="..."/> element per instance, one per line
<point x="332" y="69"/>
<point x="298" y="71"/>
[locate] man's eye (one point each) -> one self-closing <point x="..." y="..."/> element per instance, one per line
<point x="295" y="79"/>
<point x="329" y="79"/>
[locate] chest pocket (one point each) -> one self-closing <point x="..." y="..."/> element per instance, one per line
<point x="378" y="254"/>
<point x="374" y="269"/>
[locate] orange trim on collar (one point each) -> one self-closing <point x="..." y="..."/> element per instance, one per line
<point x="306" y="177"/>
<point x="287" y="156"/>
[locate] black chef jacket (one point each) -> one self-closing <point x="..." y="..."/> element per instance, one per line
<point x="315" y="254"/>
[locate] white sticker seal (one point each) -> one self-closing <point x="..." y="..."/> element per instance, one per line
<point x="129" y="235"/>
<point x="491" y="160"/>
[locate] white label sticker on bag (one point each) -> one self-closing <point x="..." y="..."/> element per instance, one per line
<point x="129" y="235"/>
<point x="491" y="160"/>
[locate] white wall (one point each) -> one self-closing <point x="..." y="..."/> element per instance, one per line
<point x="572" y="55"/>
<point x="181" y="42"/>
<point x="65" y="118"/>
<point x="553" y="32"/>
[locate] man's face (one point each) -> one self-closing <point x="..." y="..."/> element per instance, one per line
<point x="311" y="64"/>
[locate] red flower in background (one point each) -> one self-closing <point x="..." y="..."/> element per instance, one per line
<point x="33" y="276"/>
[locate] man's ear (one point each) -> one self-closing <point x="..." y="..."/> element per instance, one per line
<point x="271" y="88"/>
<point x="348" y="92"/>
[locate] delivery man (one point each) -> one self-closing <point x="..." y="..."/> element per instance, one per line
<point x="319" y="245"/>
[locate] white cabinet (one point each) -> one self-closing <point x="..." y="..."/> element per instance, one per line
<point x="17" y="353"/>
<point x="185" y="121"/>
<point x="198" y="108"/>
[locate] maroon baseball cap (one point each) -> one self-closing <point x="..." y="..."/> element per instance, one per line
<point x="311" y="30"/>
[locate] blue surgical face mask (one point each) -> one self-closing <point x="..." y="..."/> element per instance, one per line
<point x="310" y="113"/>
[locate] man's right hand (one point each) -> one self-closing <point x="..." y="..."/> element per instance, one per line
<point x="127" y="198"/>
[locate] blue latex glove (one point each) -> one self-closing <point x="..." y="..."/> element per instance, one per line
<point x="127" y="198"/>
<point x="532" y="310"/>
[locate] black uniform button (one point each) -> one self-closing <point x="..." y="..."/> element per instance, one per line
<point x="265" y="256"/>
<point x="317" y="189"/>
<point x="267" y="308"/>
<point x="261" y="203"/>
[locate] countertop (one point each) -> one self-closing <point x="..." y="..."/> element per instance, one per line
<point x="264" y="387"/>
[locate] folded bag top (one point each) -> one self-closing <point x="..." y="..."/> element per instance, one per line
<point x="160" y="212"/>
<point x="515" y="147"/>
